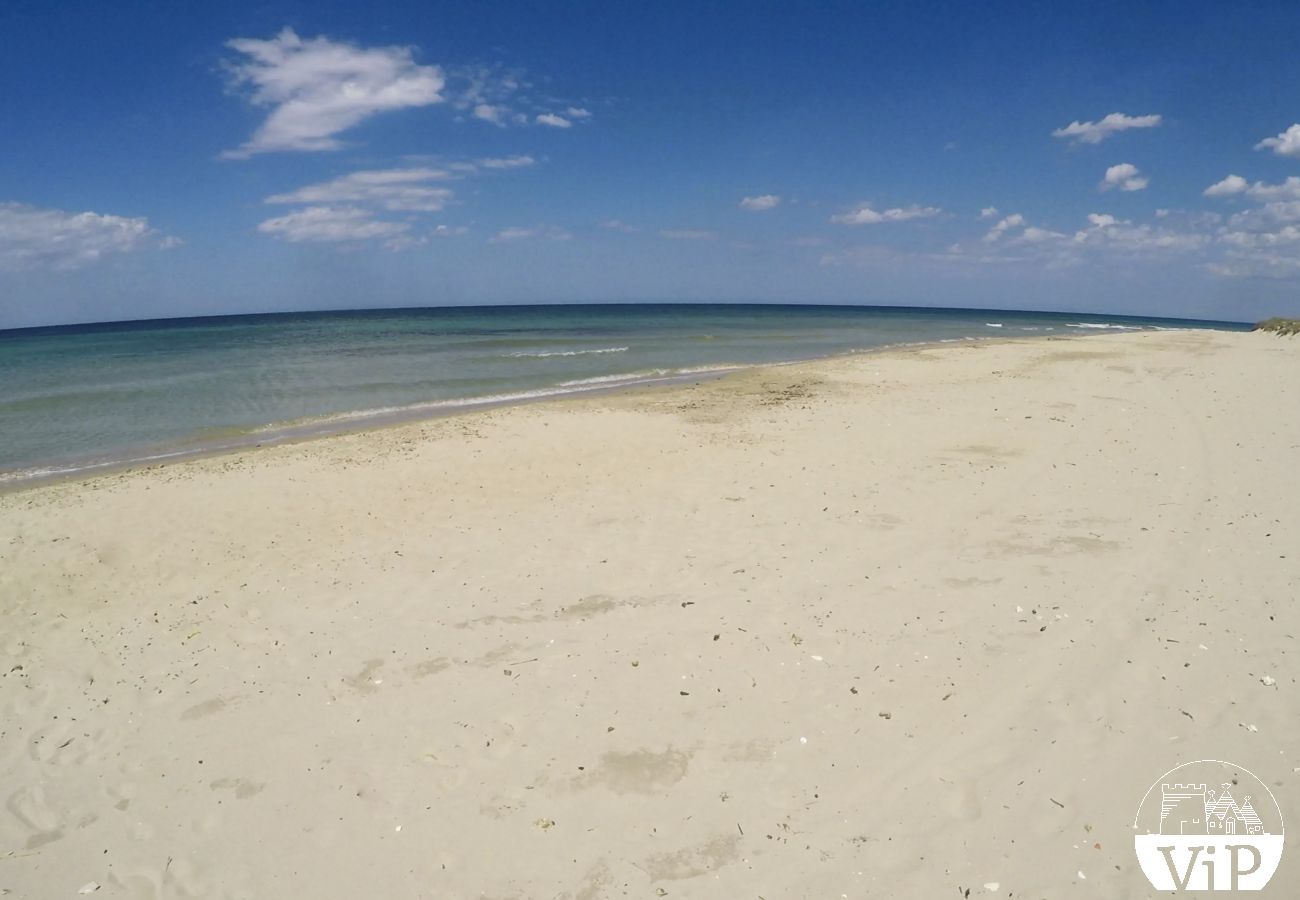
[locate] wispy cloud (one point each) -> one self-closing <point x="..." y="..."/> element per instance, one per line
<point x="390" y="189"/>
<point x="1124" y="176"/>
<point x="1013" y="240"/>
<point x="317" y="88"/>
<point x="1285" y="144"/>
<point x="31" y="237"/>
<point x="519" y="161"/>
<point x="1096" y="132"/>
<point x="865" y="215"/>
<point x="1008" y="223"/>
<point x="619" y="225"/>
<point x="760" y="203"/>
<point x="688" y="234"/>
<point x="505" y="97"/>
<point x="331" y="224"/>
<point x="988" y="212"/>
<point x="1121" y="235"/>
<point x="490" y="112"/>
<point x="348" y="208"/>
<point x="521" y="233"/>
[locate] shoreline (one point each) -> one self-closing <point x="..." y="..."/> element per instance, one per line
<point x="362" y="421"/>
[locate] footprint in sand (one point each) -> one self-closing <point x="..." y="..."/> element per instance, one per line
<point x="29" y="806"/>
<point x="209" y="707"/>
<point x="692" y="862"/>
<point x="638" y="772"/>
<point x="429" y="667"/>
<point x="366" y="681"/>
<point x="242" y="787"/>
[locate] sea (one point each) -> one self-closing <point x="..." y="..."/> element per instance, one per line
<point x="78" y="398"/>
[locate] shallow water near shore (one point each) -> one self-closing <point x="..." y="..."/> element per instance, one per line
<point x="81" y="397"/>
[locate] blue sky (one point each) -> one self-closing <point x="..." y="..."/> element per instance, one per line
<point x="162" y="159"/>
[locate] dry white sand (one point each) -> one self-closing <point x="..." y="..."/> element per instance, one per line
<point x="897" y="625"/>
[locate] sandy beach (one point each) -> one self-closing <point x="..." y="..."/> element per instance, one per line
<point x="903" y="624"/>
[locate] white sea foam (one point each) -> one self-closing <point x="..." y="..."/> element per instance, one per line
<point x="598" y="380"/>
<point x="647" y="375"/>
<point x="542" y="354"/>
<point x="993" y="324"/>
<point x="1101" y="325"/>
<point x="20" y="475"/>
<point x="329" y="422"/>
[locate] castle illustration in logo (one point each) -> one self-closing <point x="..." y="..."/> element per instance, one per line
<point x="1191" y="809"/>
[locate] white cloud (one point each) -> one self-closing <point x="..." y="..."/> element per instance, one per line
<point x="1287" y="234"/>
<point x="1124" y="176"/>
<point x="553" y="120"/>
<point x="391" y="189"/>
<point x="1271" y="225"/>
<point x="346" y="208"/>
<point x="494" y="113"/>
<point x="577" y="112"/>
<point x="1096" y="132"/>
<point x="865" y="215"/>
<point x="1105" y="240"/>
<point x="317" y="88"/>
<point x="331" y="224"/>
<point x="1034" y="235"/>
<point x="617" y="225"/>
<point x="1015" y="220"/>
<point x="518" y="233"/>
<point x="1287" y="190"/>
<point x="1285" y="144"/>
<point x="1264" y="242"/>
<point x="32" y="237"/>
<point x="988" y="212"/>
<point x="519" y="161"/>
<point x="1123" y="236"/>
<point x="688" y="234"/>
<point x="1233" y="184"/>
<point x="760" y="203"/>
<point x="450" y="231"/>
<point x="1029" y="234"/>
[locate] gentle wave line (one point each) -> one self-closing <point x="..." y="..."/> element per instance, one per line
<point x="542" y="354"/>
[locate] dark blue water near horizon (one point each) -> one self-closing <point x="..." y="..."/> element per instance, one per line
<point x="74" y="397"/>
<point x="579" y="309"/>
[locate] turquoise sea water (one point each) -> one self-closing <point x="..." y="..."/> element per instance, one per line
<point x="77" y="397"/>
